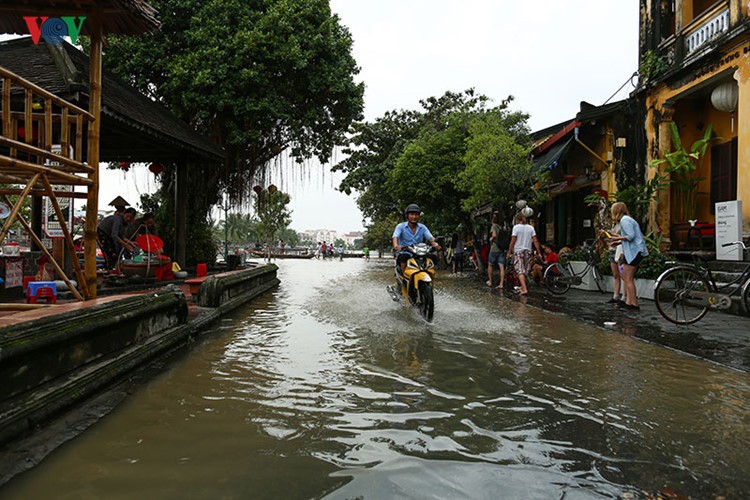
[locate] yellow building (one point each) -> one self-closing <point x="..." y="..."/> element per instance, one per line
<point x="694" y="72"/>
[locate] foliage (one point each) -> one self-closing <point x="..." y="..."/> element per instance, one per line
<point x="200" y="245"/>
<point x="290" y="236"/>
<point x="259" y="77"/>
<point x="498" y="169"/>
<point x="683" y="165"/>
<point x="652" y="65"/>
<point x="428" y="169"/>
<point x="237" y="228"/>
<point x="379" y="233"/>
<point x="653" y="265"/>
<point x="374" y="149"/>
<point x="421" y="157"/>
<point x="273" y="213"/>
<point x="638" y="197"/>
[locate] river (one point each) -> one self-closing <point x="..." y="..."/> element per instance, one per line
<point x="326" y="388"/>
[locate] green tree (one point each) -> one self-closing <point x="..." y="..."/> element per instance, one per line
<point x="497" y="167"/>
<point x="412" y="156"/>
<point x="273" y="214"/>
<point x="379" y="233"/>
<point x="290" y="236"/>
<point x="260" y="77"/>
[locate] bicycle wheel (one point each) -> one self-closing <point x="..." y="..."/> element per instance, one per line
<point x="427" y="301"/>
<point x="682" y="295"/>
<point x="598" y="278"/>
<point x="553" y="276"/>
<point x="746" y="297"/>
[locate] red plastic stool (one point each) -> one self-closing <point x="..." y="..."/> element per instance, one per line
<point x="41" y="289"/>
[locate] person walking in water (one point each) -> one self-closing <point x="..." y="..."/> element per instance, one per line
<point x="634" y="250"/>
<point x="521" y="241"/>
<point x="498" y="250"/>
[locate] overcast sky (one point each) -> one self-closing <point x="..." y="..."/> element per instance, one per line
<point x="548" y="54"/>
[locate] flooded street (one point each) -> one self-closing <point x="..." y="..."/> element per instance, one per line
<point x="327" y="388"/>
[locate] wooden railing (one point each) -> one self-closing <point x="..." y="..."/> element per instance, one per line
<point x="41" y="146"/>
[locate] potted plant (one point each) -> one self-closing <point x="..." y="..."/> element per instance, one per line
<point x="684" y="166"/>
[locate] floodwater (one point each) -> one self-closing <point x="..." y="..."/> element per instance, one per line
<point x="326" y="388"/>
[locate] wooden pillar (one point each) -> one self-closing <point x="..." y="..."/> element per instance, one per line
<point x="659" y="142"/>
<point x="735" y="12"/>
<point x="181" y="201"/>
<point x="36" y="220"/>
<point x="95" y="108"/>
<point x="742" y="75"/>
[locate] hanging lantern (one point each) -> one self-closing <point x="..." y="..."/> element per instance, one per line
<point x="156" y="168"/>
<point x="272" y="189"/>
<point x="527" y="212"/>
<point x="725" y="97"/>
<point x="520" y="204"/>
<point x="124" y="165"/>
<point x="257" y="189"/>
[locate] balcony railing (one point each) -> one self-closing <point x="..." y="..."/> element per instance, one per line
<point x="705" y="28"/>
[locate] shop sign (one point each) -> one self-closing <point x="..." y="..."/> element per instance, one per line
<point x="728" y="230"/>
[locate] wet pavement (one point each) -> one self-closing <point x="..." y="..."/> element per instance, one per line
<point x="719" y="337"/>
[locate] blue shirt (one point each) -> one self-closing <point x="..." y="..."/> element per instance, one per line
<point x="407" y="239"/>
<point x="634" y="244"/>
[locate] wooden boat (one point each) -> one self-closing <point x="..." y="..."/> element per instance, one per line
<point x="285" y="255"/>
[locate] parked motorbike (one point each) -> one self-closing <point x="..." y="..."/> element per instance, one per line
<point x="415" y="283"/>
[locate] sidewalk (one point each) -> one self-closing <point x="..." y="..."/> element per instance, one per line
<point x="719" y="337"/>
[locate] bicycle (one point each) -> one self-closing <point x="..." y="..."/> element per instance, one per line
<point x="685" y="292"/>
<point x="559" y="277"/>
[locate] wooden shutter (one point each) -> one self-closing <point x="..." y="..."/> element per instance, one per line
<point x="724" y="172"/>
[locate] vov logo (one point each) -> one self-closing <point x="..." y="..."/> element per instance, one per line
<point x="54" y="29"/>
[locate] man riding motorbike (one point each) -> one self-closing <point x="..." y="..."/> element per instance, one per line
<point x="409" y="233"/>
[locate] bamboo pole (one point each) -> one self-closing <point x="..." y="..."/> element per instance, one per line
<point x="68" y="237"/>
<point x="17" y="207"/>
<point x="49" y="255"/>
<point x="95" y="109"/>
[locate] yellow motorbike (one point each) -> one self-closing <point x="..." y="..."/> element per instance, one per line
<point x="415" y="283"/>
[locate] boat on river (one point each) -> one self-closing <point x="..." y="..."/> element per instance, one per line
<point x="289" y="254"/>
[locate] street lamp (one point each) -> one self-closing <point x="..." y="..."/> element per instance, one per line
<point x="226" y="228"/>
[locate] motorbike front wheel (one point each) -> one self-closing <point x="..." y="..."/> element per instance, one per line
<point x="426" y="300"/>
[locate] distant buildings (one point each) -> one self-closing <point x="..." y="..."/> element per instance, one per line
<point x="330" y="235"/>
<point x="319" y="235"/>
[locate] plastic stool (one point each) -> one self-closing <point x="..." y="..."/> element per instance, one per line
<point x="41" y="289"/>
<point x="200" y="270"/>
<point x="26" y="281"/>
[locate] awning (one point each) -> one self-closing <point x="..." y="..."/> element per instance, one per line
<point x="551" y="158"/>
<point x="579" y="182"/>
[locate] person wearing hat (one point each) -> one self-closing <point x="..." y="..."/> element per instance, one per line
<point x="111" y="235"/>
<point x="409" y="233"/>
<point x="120" y="204"/>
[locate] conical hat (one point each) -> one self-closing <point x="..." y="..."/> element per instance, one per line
<point x="119" y="202"/>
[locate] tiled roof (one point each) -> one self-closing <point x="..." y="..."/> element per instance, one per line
<point x="126" y="17"/>
<point x="134" y="128"/>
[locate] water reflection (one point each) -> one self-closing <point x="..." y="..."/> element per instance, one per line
<point x="327" y="388"/>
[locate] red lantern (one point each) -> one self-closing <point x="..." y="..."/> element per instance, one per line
<point x="257" y="189"/>
<point x="124" y="165"/>
<point x="156" y="168"/>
